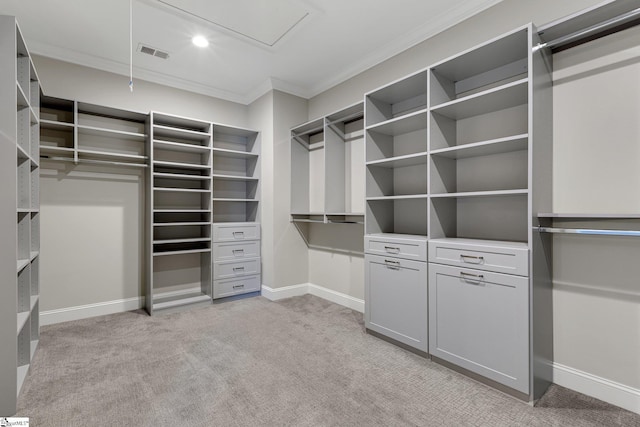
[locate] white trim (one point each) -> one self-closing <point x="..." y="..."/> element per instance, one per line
<point x="606" y="390"/>
<point x="67" y="314"/>
<point x="275" y="294"/>
<point x="337" y="297"/>
<point x="51" y="317"/>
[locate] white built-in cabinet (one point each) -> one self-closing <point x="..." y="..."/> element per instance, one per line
<point x="19" y="212"/>
<point x="327" y="174"/>
<point x="459" y="155"/>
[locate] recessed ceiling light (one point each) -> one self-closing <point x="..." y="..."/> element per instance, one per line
<point x="200" y="41"/>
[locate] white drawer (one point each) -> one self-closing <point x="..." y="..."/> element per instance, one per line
<point x="235" y="231"/>
<point x="229" y="287"/>
<point x="230" y="269"/>
<point x="400" y="246"/>
<point x="487" y="255"/>
<point x="236" y="250"/>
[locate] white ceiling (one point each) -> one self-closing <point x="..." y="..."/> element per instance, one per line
<point x="299" y="46"/>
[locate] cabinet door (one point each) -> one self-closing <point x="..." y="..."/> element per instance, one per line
<point x="480" y="321"/>
<point x="396" y="299"/>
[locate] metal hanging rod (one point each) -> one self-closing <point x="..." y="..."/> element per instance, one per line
<point x="588" y="231"/>
<point x="92" y="161"/>
<point x="602" y="26"/>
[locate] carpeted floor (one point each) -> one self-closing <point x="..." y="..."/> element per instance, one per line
<point x="301" y="361"/>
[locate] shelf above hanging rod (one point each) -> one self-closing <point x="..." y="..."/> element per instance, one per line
<point x="100" y="162"/>
<point x="588" y="231"/>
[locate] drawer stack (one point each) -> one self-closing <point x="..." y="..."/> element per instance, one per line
<point x="236" y="258"/>
<point x="479" y="307"/>
<point x="396" y="288"/>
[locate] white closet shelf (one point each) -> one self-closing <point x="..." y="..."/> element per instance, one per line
<point x="180" y="146"/>
<point x="402" y="89"/>
<point x="175" y="132"/>
<point x="588" y="216"/>
<point x="398" y="197"/>
<point x="170" y="210"/>
<point x="180" y="165"/>
<point x="34" y="301"/>
<point x="23" y="210"/>
<point x="22" y="374"/>
<point x="21" y="264"/>
<point x="491" y="193"/>
<point x="401" y="161"/>
<point x="180" y="301"/>
<point x="111" y="133"/>
<point x="494" y="99"/>
<point x="179" y="176"/>
<point x="48" y="149"/>
<point x="33" y="116"/>
<point x="344" y="214"/>
<point x="34" y="162"/>
<point x="403" y="124"/>
<point x="484" y="148"/>
<point x="228" y="199"/>
<point x="190" y="240"/>
<point x="34" y="255"/>
<point x="22" y="320"/>
<point x="234" y="154"/>
<point x="22" y="154"/>
<point x="56" y="125"/>
<point x="223" y="177"/>
<point x="181" y="190"/>
<point x="112" y="155"/>
<point x="182" y="252"/>
<point x="315" y="221"/>
<point x="180" y="224"/>
<point x="22" y="99"/>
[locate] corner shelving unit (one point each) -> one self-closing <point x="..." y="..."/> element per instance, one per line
<point x="19" y="213"/>
<point x="327" y="177"/>
<point x="179" y="202"/>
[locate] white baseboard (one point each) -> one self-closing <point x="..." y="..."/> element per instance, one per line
<point x="67" y="314"/>
<point x="275" y="294"/>
<point x="337" y="297"/>
<point x="345" y="300"/>
<point x="51" y="317"/>
<point x="606" y="390"/>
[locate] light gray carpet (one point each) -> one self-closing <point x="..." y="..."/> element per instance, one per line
<point x="302" y="361"/>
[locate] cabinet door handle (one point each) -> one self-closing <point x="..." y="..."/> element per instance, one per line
<point x="392" y="249"/>
<point x="479" y="259"/>
<point x="238" y="286"/>
<point x="469" y="276"/>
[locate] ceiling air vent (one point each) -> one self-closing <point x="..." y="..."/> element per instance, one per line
<point x="153" y="51"/>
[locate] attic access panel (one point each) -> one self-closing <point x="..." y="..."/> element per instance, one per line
<point x="263" y="22"/>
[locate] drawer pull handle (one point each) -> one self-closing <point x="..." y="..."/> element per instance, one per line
<point x="392" y="249"/>
<point x="469" y="276"/>
<point x="238" y="251"/>
<point x="393" y="265"/>
<point x="238" y="268"/>
<point x="238" y="286"/>
<point x="388" y="261"/>
<point x="238" y="234"/>
<point x="479" y="259"/>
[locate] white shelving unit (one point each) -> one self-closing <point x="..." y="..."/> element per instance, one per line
<point x="458" y="155"/>
<point x="327" y="177"/>
<point x="396" y="157"/>
<point x="80" y="132"/>
<point x="19" y="213"/>
<point x="179" y="201"/>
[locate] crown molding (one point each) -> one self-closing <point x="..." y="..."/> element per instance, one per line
<point x="443" y="21"/>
